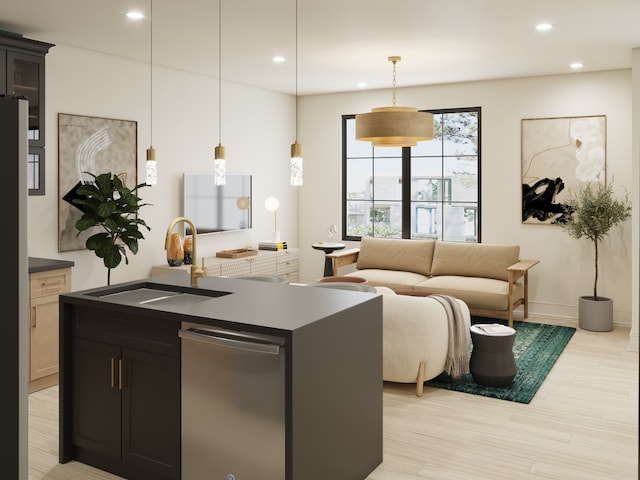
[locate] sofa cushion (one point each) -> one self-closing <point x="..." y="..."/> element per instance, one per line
<point x="486" y="293"/>
<point x="474" y="259"/>
<point x="396" y="254"/>
<point x="396" y="280"/>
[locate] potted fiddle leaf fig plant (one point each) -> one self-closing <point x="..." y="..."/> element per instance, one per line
<point x="593" y="211"/>
<point x="108" y="204"/>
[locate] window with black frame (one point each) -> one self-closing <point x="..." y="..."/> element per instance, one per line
<point x="430" y="191"/>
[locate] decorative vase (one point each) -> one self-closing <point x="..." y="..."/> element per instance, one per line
<point x="595" y="314"/>
<point x="175" y="252"/>
<point x="188" y="250"/>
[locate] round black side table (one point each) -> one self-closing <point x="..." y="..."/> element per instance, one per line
<point x="328" y="247"/>
<point x="492" y="363"/>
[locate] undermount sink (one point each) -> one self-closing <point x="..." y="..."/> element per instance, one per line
<point x="160" y="295"/>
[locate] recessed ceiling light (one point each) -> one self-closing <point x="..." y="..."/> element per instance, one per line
<point x="362" y="84"/>
<point x="542" y="27"/>
<point x="135" y="15"/>
<point x="576" y="65"/>
<point x="278" y="59"/>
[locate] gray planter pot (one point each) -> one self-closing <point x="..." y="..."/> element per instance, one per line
<point x="595" y="315"/>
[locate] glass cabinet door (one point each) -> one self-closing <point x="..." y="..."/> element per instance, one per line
<point x="28" y="81"/>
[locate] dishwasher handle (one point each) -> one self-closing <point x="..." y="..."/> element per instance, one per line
<point x="223" y="338"/>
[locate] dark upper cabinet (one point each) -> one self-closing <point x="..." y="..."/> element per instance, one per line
<point x="22" y="73"/>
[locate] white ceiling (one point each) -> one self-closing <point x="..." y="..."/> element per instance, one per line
<point x="343" y="42"/>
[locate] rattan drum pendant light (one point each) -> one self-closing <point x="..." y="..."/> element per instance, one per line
<point x="394" y="126"/>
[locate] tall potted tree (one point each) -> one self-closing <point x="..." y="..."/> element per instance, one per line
<point x="108" y="204"/>
<point x="593" y="211"/>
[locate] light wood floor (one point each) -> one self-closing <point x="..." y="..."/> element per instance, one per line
<point x="582" y="424"/>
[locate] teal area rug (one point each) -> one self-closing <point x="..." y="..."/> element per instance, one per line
<point x="536" y="348"/>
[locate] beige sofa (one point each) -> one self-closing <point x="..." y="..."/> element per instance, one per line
<point x="490" y="278"/>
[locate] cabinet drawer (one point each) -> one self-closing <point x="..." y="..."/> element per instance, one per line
<point x="129" y="330"/>
<point x="288" y="257"/>
<point x="52" y="282"/>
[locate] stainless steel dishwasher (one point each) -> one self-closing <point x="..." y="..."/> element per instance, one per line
<point x="233" y="404"/>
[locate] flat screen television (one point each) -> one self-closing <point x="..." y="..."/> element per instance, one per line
<point x="217" y="208"/>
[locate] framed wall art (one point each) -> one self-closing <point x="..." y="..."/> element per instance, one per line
<point x="90" y="145"/>
<point x="557" y="155"/>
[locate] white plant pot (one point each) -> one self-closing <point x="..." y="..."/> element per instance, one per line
<point x="595" y="315"/>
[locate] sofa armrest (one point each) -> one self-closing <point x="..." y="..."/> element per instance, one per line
<point x="515" y="271"/>
<point x="341" y="258"/>
<point x="520" y="268"/>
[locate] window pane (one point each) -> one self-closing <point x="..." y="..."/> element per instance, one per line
<point x="386" y="218"/>
<point x="425" y="220"/>
<point x="460" y="222"/>
<point x="460" y="133"/>
<point x="356" y="148"/>
<point x="387" y="180"/>
<point x="463" y="175"/>
<point x="432" y="147"/>
<point x="33" y="171"/>
<point x="359" y="178"/>
<point x="358" y="222"/>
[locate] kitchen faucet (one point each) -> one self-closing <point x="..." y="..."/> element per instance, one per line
<point x="196" y="272"/>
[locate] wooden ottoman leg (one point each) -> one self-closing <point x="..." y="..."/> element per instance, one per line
<point x="420" y="381"/>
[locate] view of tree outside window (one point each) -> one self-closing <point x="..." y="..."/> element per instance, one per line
<point x="430" y="191"/>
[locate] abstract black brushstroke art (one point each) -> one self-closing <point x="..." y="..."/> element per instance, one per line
<point x="557" y="155"/>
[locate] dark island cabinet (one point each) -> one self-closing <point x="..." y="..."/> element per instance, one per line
<point x="22" y="73"/>
<point x="124" y="382"/>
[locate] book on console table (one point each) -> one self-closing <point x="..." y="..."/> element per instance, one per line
<point x="272" y="246"/>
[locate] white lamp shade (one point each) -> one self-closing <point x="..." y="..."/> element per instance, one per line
<point x="271" y="204"/>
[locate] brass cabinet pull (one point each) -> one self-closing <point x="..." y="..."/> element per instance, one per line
<point x="113" y="372"/>
<point x="120" y="368"/>
<point x="33" y="317"/>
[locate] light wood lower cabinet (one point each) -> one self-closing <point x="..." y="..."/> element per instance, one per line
<point x="44" y="288"/>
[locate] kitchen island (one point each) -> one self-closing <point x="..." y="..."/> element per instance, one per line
<point x="122" y="375"/>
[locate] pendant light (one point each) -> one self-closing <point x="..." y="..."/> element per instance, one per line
<point x="394" y="126"/>
<point x="151" y="163"/>
<point x="296" y="148"/>
<point x="219" y="166"/>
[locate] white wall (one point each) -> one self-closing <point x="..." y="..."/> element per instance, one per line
<point x="258" y="127"/>
<point x="565" y="271"/>
<point x="257" y="130"/>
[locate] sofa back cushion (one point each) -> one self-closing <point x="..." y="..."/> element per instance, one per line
<point x="396" y="254"/>
<point x="474" y="259"/>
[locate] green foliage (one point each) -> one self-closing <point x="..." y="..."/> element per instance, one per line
<point x="594" y="212"/>
<point x="112" y="207"/>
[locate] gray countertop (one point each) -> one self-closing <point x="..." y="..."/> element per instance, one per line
<point x="265" y="305"/>
<point x="37" y="264"/>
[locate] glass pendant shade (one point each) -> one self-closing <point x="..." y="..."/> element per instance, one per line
<point x="219" y="166"/>
<point x="152" y="167"/>
<point x="296" y="164"/>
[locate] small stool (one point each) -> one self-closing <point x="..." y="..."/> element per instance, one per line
<point x="492" y="363"/>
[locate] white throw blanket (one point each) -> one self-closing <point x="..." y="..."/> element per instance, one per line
<point x="458" y="353"/>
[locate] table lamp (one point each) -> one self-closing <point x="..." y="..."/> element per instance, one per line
<point x="272" y="204"/>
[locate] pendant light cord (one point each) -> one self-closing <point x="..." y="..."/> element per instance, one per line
<point x="151" y="71"/>
<point x="220" y="72"/>
<point x="394" y="61"/>
<point x="296" y="70"/>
